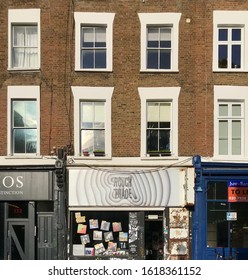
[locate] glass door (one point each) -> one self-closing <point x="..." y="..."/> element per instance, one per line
<point x="17" y="240"/>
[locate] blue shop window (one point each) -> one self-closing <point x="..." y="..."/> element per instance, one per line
<point x="217" y="190"/>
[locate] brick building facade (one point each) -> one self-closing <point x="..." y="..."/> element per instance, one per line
<point x="137" y="79"/>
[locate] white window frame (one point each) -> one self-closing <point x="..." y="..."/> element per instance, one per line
<point x="22" y="17"/>
<point x="94" y="19"/>
<point x="159" y="19"/>
<point x="22" y="93"/>
<point x="92" y="94"/>
<point x="230" y="94"/>
<point x="170" y="94"/>
<point x="231" y="19"/>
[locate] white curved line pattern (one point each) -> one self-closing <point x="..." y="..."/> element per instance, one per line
<point x="100" y="188"/>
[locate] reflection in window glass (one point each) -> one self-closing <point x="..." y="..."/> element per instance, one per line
<point x="24" y="126"/>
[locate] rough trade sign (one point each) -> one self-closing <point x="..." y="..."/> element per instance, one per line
<point x="238" y="191"/>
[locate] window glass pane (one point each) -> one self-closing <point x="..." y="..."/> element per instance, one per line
<point x="87" y="37"/>
<point x="152" y="37"/>
<point x="223" y="110"/>
<point x="217" y="225"/>
<point x="19" y="36"/>
<point x="165" y="59"/>
<point x="152" y="59"/>
<point x="87" y="117"/>
<point x="223" y="137"/>
<point x="152" y="114"/>
<point x="236" y="137"/>
<point x="152" y="140"/>
<point x="25" y="140"/>
<point x="31" y="38"/>
<point x="87" y="140"/>
<point x="164" y="140"/>
<point x="99" y="115"/>
<point x="236" y="56"/>
<point x="222" y="56"/>
<point x="236" y="109"/>
<point x="25" y="113"/>
<point x="223" y="34"/>
<point x="31" y="140"/>
<point x="165" y="38"/>
<point x="165" y="115"/>
<point x="217" y="190"/>
<point x="88" y="58"/>
<point x="100" y="59"/>
<point x="99" y="140"/>
<point x="236" y="34"/>
<point x="100" y="37"/>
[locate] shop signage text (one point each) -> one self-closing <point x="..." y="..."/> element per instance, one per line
<point x="122" y="187"/>
<point x="238" y="191"/>
<point x="25" y="186"/>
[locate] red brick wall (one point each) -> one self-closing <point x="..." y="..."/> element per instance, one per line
<point x="57" y="75"/>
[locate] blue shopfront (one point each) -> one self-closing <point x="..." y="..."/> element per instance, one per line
<point x="220" y="214"/>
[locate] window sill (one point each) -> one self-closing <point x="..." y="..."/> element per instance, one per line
<point x="14" y="70"/>
<point x="171" y="71"/>
<point x="230" y="71"/>
<point x="23" y="157"/>
<point x="169" y="157"/>
<point x="94" y="70"/>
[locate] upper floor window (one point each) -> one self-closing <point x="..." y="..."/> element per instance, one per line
<point x="159" y="41"/>
<point x="23" y="120"/>
<point x="230" y="130"/>
<point x="158" y="47"/>
<point x="159" y="127"/>
<point x="24" y="39"/>
<point x="92" y="125"/>
<point x="93" y="48"/>
<point x="229" y="48"/>
<point x="159" y="121"/>
<point x="93" y="41"/>
<point x="24" y="126"/>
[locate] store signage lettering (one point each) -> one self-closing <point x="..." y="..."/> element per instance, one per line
<point x="11" y="185"/>
<point x="25" y="185"/>
<point x="238" y="191"/>
<point x="122" y="187"/>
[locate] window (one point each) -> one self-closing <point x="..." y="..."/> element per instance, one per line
<point x="93" y="49"/>
<point x="230" y="129"/>
<point x="24" y="38"/>
<point x="229" y="48"/>
<point x="159" y="41"/>
<point x="159" y="121"/>
<point x="93" y="41"/>
<point x="158" y="127"/>
<point x="158" y="47"/>
<point x="23" y="120"/>
<point x="230" y="122"/>
<point x="92" y="126"/>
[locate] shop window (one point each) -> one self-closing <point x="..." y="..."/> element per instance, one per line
<point x="102" y="234"/>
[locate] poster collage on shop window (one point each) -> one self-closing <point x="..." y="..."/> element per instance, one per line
<point x="101" y="237"/>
